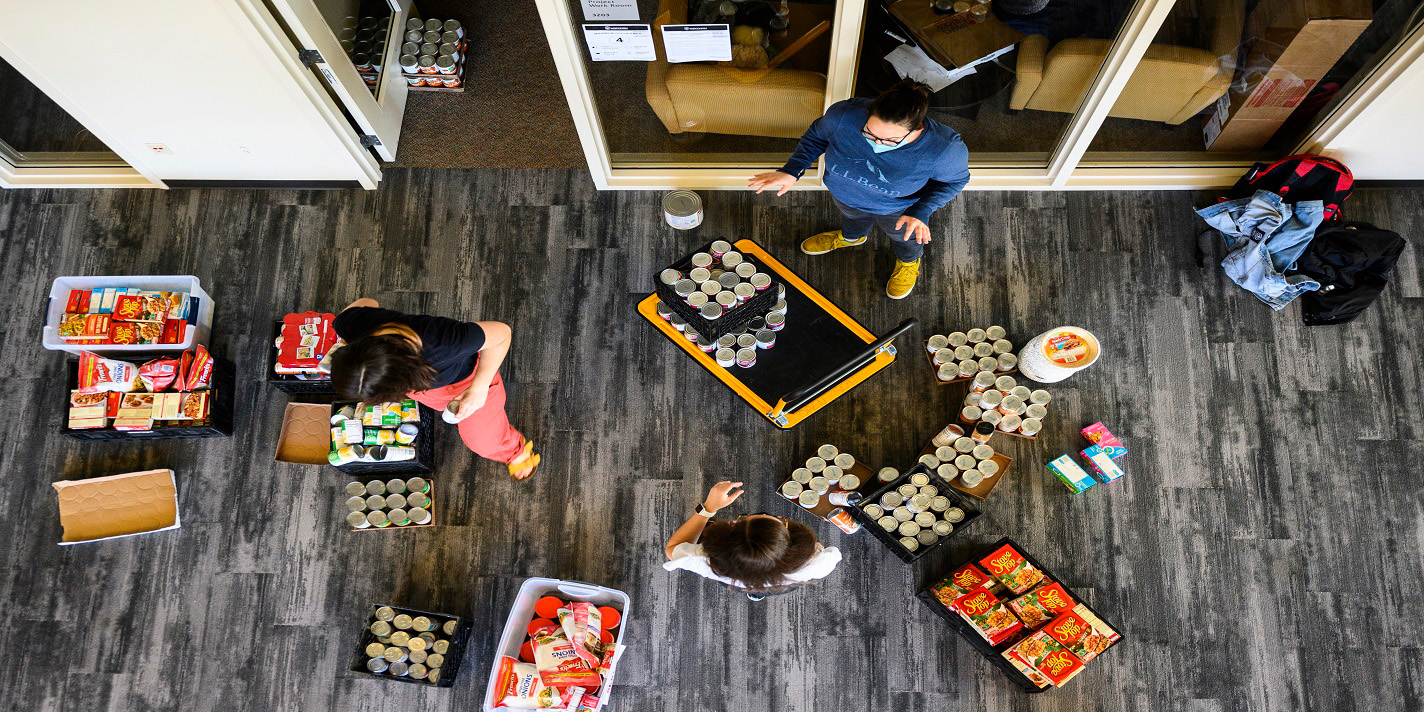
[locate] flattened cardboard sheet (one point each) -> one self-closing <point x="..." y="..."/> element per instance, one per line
<point x="118" y="505"/>
<point x="306" y="434"/>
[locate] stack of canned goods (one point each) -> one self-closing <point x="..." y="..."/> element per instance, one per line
<point x="364" y="41"/>
<point x="377" y="432"/>
<point x="379" y="504"/>
<point x="967" y="354"/>
<point x="719" y="281"/>
<point x="967" y="458"/>
<point x="916" y="511"/>
<point x="410" y="645"/>
<point x="433" y="52"/>
<point x="826" y="476"/>
<point x="1005" y="405"/>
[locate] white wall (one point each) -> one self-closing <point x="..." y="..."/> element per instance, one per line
<point x="194" y="75"/>
<point x="1386" y="140"/>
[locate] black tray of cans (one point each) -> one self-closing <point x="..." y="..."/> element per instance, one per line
<point x="424" y="461"/>
<point x="365" y="479"/>
<point x="220" y="408"/>
<point x="971" y="514"/>
<point x="291" y="383"/>
<point x="453" y="656"/>
<point x="976" y="641"/>
<point x="730" y="321"/>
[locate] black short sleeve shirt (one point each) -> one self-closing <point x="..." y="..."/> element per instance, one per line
<point x="450" y="347"/>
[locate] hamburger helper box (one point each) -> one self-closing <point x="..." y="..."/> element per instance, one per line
<point x="522" y="612"/>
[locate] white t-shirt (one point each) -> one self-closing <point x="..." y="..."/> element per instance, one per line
<point x="693" y="557"/>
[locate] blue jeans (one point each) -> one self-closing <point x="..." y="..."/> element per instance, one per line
<point x="1264" y="237"/>
<point x="856" y="224"/>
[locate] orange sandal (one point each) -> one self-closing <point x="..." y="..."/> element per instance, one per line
<point x="525" y="468"/>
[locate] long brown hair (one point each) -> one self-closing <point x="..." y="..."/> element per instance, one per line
<point x="379" y="368"/>
<point x="758" y="551"/>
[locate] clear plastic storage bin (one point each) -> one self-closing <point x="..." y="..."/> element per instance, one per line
<point x="200" y="311"/>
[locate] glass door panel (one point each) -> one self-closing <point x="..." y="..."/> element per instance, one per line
<point x="35" y="131"/>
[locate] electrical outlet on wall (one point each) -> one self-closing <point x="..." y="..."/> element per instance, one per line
<point x="159" y="147"/>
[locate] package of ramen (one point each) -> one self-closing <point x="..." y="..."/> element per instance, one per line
<point x="1082" y="632"/>
<point x="1046" y="655"/>
<point x="964" y="579"/>
<point x="583" y="625"/>
<point x="1042" y="604"/>
<point x="1011" y="569"/>
<point x="159" y="374"/>
<point x="98" y="374"/>
<point x="988" y="615"/>
<point x="520" y="687"/>
<point x="560" y="665"/>
<point x="199" y="374"/>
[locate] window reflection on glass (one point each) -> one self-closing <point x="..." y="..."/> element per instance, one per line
<point x="1247" y="77"/>
<point x="750" y="109"/>
<point x="35" y="130"/>
<point x="1007" y="74"/>
<point x="364" y="28"/>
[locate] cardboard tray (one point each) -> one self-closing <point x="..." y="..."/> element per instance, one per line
<point x="982" y="646"/>
<point x="824" y="507"/>
<point x="424" y="462"/>
<point x="985" y="487"/>
<point x="363" y="479"/>
<point x="290" y="383"/>
<point x="306" y="434"/>
<point x="220" y="407"/>
<point x="731" y="320"/>
<point x="971" y="513"/>
<point x="101" y="508"/>
<point x="453" y="658"/>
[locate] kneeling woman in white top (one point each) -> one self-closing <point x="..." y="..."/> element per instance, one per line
<point x="756" y="553"/>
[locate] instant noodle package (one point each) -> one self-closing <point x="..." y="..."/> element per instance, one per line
<point x="565" y="659"/>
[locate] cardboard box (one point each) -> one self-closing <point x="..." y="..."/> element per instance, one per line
<point x="116" y="506"/>
<point x="1074" y="477"/>
<point x="1293" y="44"/>
<point x="306" y="434"/>
<point x="1101" y="463"/>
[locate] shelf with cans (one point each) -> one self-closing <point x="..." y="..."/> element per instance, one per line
<point x="410" y="645"/>
<point x="432" y="55"/>
<point x="376" y="503"/>
<point x="724" y="302"/>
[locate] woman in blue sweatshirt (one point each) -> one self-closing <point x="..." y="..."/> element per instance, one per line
<point x="887" y="164"/>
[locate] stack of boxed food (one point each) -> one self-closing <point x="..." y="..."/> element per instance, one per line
<point x="303" y="342"/>
<point x="374" y="432"/>
<point x="124" y="315"/>
<point x="570" y="649"/>
<point x="1033" y="622"/>
<point x="119" y="394"/>
<point x="1101" y="457"/>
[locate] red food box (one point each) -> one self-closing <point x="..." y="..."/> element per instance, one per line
<point x="1046" y="655"/>
<point x="1082" y="632"/>
<point x="1042" y="604"/>
<point x="84" y="327"/>
<point x="1010" y="568"/>
<point x="964" y="579"/>
<point x="173" y="331"/>
<point x="988" y="615"/>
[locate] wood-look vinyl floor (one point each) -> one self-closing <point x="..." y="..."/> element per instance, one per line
<point x="1263" y="552"/>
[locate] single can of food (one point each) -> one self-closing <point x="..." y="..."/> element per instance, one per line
<point x="682" y="209"/>
<point x="1005" y="384"/>
<point x="711" y="312"/>
<point x="728" y="280"/>
<point x="727" y="341"/>
<point x="677" y="322"/>
<point x="928" y="460"/>
<point x="988" y="468"/>
<point x="726" y="299"/>
<point x="744" y="270"/>
<point x="990" y="400"/>
<point x="732" y="258"/>
<point x="356" y="504"/>
<point x="843" y="519"/>
<point x="982" y="432"/>
<point x="779" y="307"/>
<point x="418" y="515"/>
<point x="697" y="300"/>
<point x="920" y="479"/>
<point x="887" y="474"/>
<point x="964" y="353"/>
<point x="685" y="287"/>
<point x="927" y="537"/>
<point x="744" y="291"/>
<point x="437" y="658"/>
<point x="982" y="452"/>
<point x="909" y="543"/>
<point x="939" y="504"/>
<point x="791" y="489"/>
<point x="760" y="281"/>
<point x="843" y="498"/>
<point x="406" y="433"/>
<point x="972" y="478"/>
<point x="377" y="665"/>
<point x="719" y="248"/>
<point x="954" y="515"/>
<point x="919" y="503"/>
<point x="417" y="499"/>
<point x="410" y="64"/>
<point x="964" y="445"/>
<point x="417" y="484"/>
<point x="698" y="273"/>
<point x="664" y="312"/>
<point x="819" y="485"/>
<point x="1031" y="426"/>
<point x="907" y="490"/>
<point x="1012" y="405"/>
<point x="412" y="49"/>
<point x="375" y="650"/>
<point x="746" y="358"/>
<point x="775" y="322"/>
<point x="974" y="336"/>
<point x="945" y="453"/>
<point x="765" y="339"/>
<point x="947" y="371"/>
<point x="948" y="434"/>
<point x="670" y="277"/>
<point x="726" y="358"/>
<point x="428" y="49"/>
<point x="888" y="523"/>
<point x="936" y="342"/>
<point x="970" y="413"/>
<point x="414" y="23"/>
<point x="431" y="36"/>
<point x="902" y="514"/>
<point x="385" y="613"/>
<point x="943" y="528"/>
<point x="1007" y="362"/>
<point x="702" y="260"/>
<point x="965" y="462"/>
<point x="832" y="473"/>
<point x="994" y="333"/>
<point x="1001" y="346"/>
<point x="710" y="288"/>
<point x="874" y="511"/>
<point x="426" y="64"/>
<point x="1021" y="392"/>
<point x="957" y="339"/>
<point x="357" y="520"/>
<point x="974" y="399"/>
<point x="850" y="481"/>
<point x="968" y="368"/>
<point x="398" y="517"/>
<point x="420" y="624"/>
<point x="891" y="500"/>
<point x="375" y="502"/>
<point x="403" y="622"/>
<point x="417" y="645"/>
<point x="448" y="37"/>
<point x="808" y="499"/>
<point x="992" y="417"/>
<point x="909" y="529"/>
<point x="417" y="671"/>
<point x="988" y="363"/>
<point x="399" y="669"/>
<point x="1036" y="411"/>
<point x="816" y="464"/>
<point x="416" y="36"/>
<point x="983" y="381"/>
<point x="929" y="490"/>
<point x="454" y="26"/>
<point x="450" y="627"/>
<point x="844" y="460"/>
<point x="947" y="471"/>
<point x="395" y="501"/>
<point x="983" y="349"/>
<point x="380" y="629"/>
<point x="827" y="452"/>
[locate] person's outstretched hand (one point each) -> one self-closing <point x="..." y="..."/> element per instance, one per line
<point x="772" y="179"/>
<point x="915" y="228"/>
<point x="722" y="494"/>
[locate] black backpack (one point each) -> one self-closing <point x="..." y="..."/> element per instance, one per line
<point x="1296" y="178"/>
<point x="1352" y="262"/>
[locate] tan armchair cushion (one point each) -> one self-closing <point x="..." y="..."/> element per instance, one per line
<point x="1167" y="82"/>
<point x="780" y="103"/>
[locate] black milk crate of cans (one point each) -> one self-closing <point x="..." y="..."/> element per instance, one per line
<point x="424" y="460"/>
<point x="453" y="655"/>
<point x="891" y="539"/>
<point x="290" y="383"/>
<point x="976" y="641"/>
<point x="406" y="502"/>
<point x="220" y="409"/>
<point x="731" y="320"/>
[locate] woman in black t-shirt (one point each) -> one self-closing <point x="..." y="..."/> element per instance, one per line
<point x="443" y="363"/>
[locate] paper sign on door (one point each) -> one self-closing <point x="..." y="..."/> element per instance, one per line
<point x="697" y="43"/>
<point x="603" y="10"/>
<point x="614" y="43"/>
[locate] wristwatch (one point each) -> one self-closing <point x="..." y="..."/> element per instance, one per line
<point x="704" y="512"/>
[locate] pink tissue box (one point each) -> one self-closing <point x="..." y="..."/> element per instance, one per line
<point x="1098" y="434"/>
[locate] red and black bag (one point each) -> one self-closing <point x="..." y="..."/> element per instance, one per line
<point x="1296" y="178"/>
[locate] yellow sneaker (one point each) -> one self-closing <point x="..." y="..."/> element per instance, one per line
<point x="902" y="280"/>
<point x="827" y="241"/>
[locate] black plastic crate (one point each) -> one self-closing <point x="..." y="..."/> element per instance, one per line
<point x="994" y="654"/>
<point x="453" y="657"/>
<point x="732" y="320"/>
<point x="424" y="462"/>
<point x="971" y="514"/>
<point x="220" y="407"/>
<point x="292" y="384"/>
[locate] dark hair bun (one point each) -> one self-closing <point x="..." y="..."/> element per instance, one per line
<point x="905" y="103"/>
